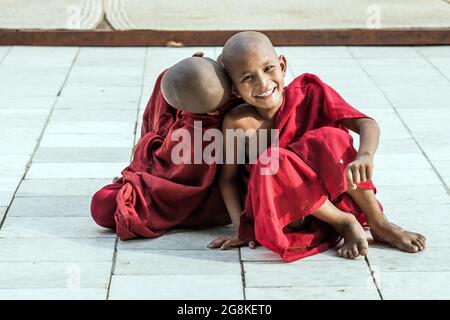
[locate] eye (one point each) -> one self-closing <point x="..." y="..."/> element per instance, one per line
<point x="268" y="68"/>
<point x="247" y="78"/>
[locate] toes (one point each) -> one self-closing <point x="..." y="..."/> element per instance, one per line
<point x="422" y="238"/>
<point x="363" y="250"/>
<point x="417" y="244"/>
<point x="346" y="254"/>
<point x="350" y="254"/>
<point x="409" y="247"/>
<point x="343" y="253"/>
<point x="422" y="242"/>
<point x="339" y="253"/>
<point x="355" y="251"/>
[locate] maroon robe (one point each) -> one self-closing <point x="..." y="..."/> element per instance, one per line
<point x="313" y="152"/>
<point x="154" y="195"/>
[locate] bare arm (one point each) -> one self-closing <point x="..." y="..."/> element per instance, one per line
<point x="361" y="169"/>
<point x="230" y="189"/>
<point x="369" y="134"/>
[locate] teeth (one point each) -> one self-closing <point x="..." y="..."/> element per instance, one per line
<point x="267" y="93"/>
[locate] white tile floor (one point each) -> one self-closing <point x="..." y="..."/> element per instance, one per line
<point x="67" y="126"/>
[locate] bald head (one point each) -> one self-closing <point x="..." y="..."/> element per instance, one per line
<point x="196" y="85"/>
<point x="241" y="45"/>
<point x="255" y="70"/>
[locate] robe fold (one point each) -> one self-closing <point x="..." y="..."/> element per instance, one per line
<point x="313" y="152"/>
<point x="155" y="195"/>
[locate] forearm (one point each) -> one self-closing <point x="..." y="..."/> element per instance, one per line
<point x="369" y="136"/>
<point x="231" y="196"/>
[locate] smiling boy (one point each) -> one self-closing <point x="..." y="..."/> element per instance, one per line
<point x="322" y="190"/>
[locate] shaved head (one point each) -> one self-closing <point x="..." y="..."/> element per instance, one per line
<point x="243" y="44"/>
<point x="255" y="70"/>
<point x="196" y="85"/>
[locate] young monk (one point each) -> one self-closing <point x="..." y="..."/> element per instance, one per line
<point x="155" y="195"/>
<point x="322" y="190"/>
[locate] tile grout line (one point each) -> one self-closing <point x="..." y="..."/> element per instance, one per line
<point x="241" y="262"/>
<point x="446" y="187"/>
<point x="372" y="274"/>
<point x="415" y="141"/>
<point x="432" y="65"/>
<point x="5" y="55"/>
<point x="136" y="122"/>
<point x="27" y="167"/>
<point x="366" y="258"/>
<point x="113" y="267"/>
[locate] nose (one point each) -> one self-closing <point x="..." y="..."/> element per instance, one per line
<point x="262" y="81"/>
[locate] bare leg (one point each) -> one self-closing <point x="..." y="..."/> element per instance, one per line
<point x="355" y="242"/>
<point x="381" y="229"/>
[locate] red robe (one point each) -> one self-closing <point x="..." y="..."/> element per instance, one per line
<point x="314" y="150"/>
<point x="154" y="195"/>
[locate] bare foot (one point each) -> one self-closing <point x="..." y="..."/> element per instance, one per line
<point x="397" y="237"/>
<point x="355" y="241"/>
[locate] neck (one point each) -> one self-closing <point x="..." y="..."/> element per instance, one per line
<point x="268" y="114"/>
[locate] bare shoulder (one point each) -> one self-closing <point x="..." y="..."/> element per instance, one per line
<point x="241" y="116"/>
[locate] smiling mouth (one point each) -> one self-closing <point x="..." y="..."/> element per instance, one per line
<point x="266" y="94"/>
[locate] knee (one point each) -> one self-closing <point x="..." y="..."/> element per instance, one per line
<point x="103" y="207"/>
<point x="324" y="143"/>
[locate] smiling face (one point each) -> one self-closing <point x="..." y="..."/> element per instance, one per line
<point x="255" y="70"/>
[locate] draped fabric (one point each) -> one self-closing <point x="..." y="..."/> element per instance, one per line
<point x="313" y="152"/>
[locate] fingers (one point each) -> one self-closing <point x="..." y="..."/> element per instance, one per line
<point x="362" y="173"/>
<point x="349" y="175"/>
<point x="216" y="243"/>
<point x="235" y="243"/>
<point x="226" y="243"/>
<point x="230" y="244"/>
<point x="356" y="175"/>
<point x="369" y="171"/>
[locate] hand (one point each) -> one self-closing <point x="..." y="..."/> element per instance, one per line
<point x="229" y="242"/>
<point x="198" y="54"/>
<point x="359" y="170"/>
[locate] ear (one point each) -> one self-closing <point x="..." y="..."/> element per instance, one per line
<point x="283" y="63"/>
<point x="220" y="60"/>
